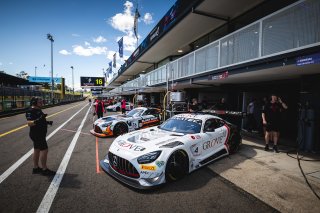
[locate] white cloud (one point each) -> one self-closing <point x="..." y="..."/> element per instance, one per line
<point x="89" y="51"/>
<point x="75" y="35"/>
<point x="123" y="21"/>
<point x="0" y="63"/>
<point x="147" y="19"/>
<point x="129" y="41"/>
<point x="64" y="52"/>
<point x="10" y="63"/>
<point x="99" y="39"/>
<point x="87" y="43"/>
<point x="110" y="55"/>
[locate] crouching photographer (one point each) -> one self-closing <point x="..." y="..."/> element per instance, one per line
<point x="37" y="122"/>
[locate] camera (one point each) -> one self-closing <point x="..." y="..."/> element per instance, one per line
<point x="50" y="123"/>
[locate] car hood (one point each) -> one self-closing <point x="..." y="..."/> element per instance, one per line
<point x="145" y="141"/>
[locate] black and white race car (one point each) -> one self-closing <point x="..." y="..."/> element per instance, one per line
<point x="182" y="144"/>
<point x="114" y="125"/>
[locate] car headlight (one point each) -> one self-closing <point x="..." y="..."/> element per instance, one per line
<point x="148" y="158"/>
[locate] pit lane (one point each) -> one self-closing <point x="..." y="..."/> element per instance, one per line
<point x="86" y="188"/>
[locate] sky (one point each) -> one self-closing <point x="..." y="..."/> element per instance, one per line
<point x="85" y="34"/>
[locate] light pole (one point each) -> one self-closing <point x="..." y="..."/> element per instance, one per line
<point x="72" y="80"/>
<point x="49" y="36"/>
<point x="35" y="71"/>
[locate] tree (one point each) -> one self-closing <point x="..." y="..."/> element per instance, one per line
<point x="23" y="75"/>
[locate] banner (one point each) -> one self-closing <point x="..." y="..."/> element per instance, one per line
<point x="135" y="24"/>
<point x="44" y="79"/>
<point x="114" y="60"/>
<point x="120" y="43"/>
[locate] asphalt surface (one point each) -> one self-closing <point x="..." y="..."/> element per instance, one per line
<point x="86" y="188"/>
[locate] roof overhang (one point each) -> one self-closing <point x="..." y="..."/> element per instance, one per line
<point x="199" y="21"/>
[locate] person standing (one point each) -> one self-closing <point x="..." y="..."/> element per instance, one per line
<point x="222" y="105"/>
<point x="123" y="106"/>
<point x="194" y="107"/>
<point x="271" y="118"/>
<point x="99" y="110"/>
<point x="37" y="122"/>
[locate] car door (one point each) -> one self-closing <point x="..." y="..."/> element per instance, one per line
<point x="214" y="134"/>
<point x="149" y="119"/>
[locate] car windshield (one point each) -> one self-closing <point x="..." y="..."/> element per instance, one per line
<point x="134" y="112"/>
<point x="182" y="125"/>
<point x="106" y="119"/>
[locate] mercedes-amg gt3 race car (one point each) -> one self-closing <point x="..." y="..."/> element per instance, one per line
<point x="182" y="144"/>
<point x="115" y="125"/>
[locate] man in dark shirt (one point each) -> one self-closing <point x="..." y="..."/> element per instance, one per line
<point x="100" y="109"/>
<point x="194" y="107"/>
<point x="271" y="118"/>
<point x="222" y="105"/>
<point x="37" y="122"/>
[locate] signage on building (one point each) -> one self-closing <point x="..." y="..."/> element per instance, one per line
<point x="223" y="75"/>
<point x="92" y="81"/>
<point x="309" y="59"/>
<point x="44" y="79"/>
<point x="96" y="90"/>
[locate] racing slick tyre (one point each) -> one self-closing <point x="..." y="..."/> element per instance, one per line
<point x="177" y="166"/>
<point x="234" y="142"/>
<point x="120" y="129"/>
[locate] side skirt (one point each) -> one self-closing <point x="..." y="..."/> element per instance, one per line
<point x="215" y="156"/>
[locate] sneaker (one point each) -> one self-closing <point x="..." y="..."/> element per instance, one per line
<point x="48" y="172"/>
<point x="266" y="148"/>
<point x="275" y="149"/>
<point x="37" y="170"/>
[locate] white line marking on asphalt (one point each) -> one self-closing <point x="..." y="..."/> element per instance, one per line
<point x="28" y="154"/>
<point x="54" y="186"/>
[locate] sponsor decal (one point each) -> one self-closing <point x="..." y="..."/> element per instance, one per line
<point x="198" y="121"/>
<point x="214" y="142"/>
<point x="154" y="34"/>
<point x="144" y="172"/>
<point x="192" y="137"/>
<point x="224" y="75"/>
<point x="198" y="137"/>
<point x="159" y="163"/>
<point x="147" y="167"/>
<point x="130" y="146"/>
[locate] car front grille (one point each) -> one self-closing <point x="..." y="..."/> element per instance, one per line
<point x="97" y="129"/>
<point x="122" y="166"/>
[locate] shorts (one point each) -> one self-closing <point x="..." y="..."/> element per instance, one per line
<point x="39" y="142"/>
<point x="273" y="127"/>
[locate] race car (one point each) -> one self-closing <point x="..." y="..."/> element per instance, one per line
<point x="114" y="125"/>
<point x="116" y="107"/>
<point x="147" y="158"/>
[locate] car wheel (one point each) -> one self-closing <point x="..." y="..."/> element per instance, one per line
<point x="120" y="129"/>
<point x="177" y="166"/>
<point x="234" y="142"/>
